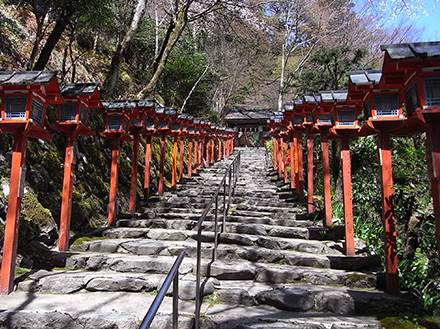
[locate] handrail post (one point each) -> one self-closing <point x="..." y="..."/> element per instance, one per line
<point x="176" y="301"/>
<point x="224" y="206"/>
<point x="199" y="249"/>
<point x="215" y="229"/>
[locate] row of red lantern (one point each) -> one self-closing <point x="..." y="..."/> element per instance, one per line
<point x="25" y="97"/>
<point x="401" y="99"/>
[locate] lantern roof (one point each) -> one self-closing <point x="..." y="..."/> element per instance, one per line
<point x="78" y="89"/>
<point x="412" y="50"/>
<point x="122" y="105"/>
<point x="146" y="103"/>
<point x="312" y="98"/>
<point x="368" y="77"/>
<point x="333" y="96"/>
<point x="27" y="77"/>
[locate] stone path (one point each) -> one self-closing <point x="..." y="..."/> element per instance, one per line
<point x="277" y="267"/>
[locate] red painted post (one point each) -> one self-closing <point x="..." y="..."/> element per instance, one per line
<point x="134" y="172"/>
<point x="113" y="182"/>
<point x="66" y="202"/>
<point x="300" y="174"/>
<point x="174" y="168"/>
<point x="309" y="173"/>
<point x="147" y="169"/>
<point x="326" y="180"/>
<point x="347" y="196"/>
<point x="285" y="162"/>
<point x="161" y="163"/>
<point x="292" y="163"/>
<point x="433" y="155"/>
<point x="208" y="152"/>
<point x="275" y="153"/>
<point x="190" y="145"/>
<point x="196" y="155"/>
<point x="201" y="150"/>
<point x="182" y="145"/>
<point x="280" y="157"/>
<point x="388" y="217"/>
<point x="212" y="151"/>
<point x="16" y="186"/>
<point x="296" y="165"/>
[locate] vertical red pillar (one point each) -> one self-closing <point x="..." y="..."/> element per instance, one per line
<point x="212" y="151"/>
<point x="326" y="180"/>
<point x="134" y="173"/>
<point x="190" y="145"/>
<point x="182" y="145"/>
<point x="285" y="162"/>
<point x="300" y="170"/>
<point x="113" y="182"/>
<point x="433" y="155"/>
<point x="292" y="163"/>
<point x="296" y="165"/>
<point x="219" y="150"/>
<point x="174" y="168"/>
<point x="10" y="243"/>
<point x="388" y="217"/>
<point x="208" y="152"/>
<point x="280" y="157"/>
<point x="275" y="153"/>
<point x="147" y="169"/>
<point x="309" y="173"/>
<point x="201" y="148"/>
<point x="161" y="163"/>
<point x="347" y="197"/>
<point x="66" y="202"/>
<point x="196" y="155"/>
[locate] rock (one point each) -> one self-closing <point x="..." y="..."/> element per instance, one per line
<point x="291" y="299"/>
<point x="235" y="296"/>
<point x="232" y="271"/>
<point x="108" y="321"/>
<point x="40" y="319"/>
<point x="119" y="283"/>
<point x="142" y="247"/>
<point x="338" y="302"/>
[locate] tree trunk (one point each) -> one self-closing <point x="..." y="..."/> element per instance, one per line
<point x="38" y="36"/>
<point x="53" y="38"/>
<point x="112" y="75"/>
<point x="174" y="32"/>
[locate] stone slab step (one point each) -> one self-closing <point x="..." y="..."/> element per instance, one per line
<point x="270" y="242"/>
<point x="117" y="310"/>
<point x="222" y="270"/>
<point x="267" y="317"/>
<point x="68" y="282"/>
<point x="228" y="252"/>
<point x="302" y="297"/>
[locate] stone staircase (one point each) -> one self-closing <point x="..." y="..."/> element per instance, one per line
<point x="276" y="266"/>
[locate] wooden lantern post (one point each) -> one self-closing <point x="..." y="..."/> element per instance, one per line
<point x="197" y="128"/>
<point x="274" y="126"/>
<point x="186" y="131"/>
<point x="191" y="133"/>
<point x="117" y="123"/>
<point x="149" y="129"/>
<point x="162" y="129"/>
<point x="72" y="119"/>
<point x="175" y="130"/>
<point x="417" y="65"/>
<point x="25" y="96"/>
<point x="346" y="127"/>
<point x="136" y="128"/>
<point x="383" y="113"/>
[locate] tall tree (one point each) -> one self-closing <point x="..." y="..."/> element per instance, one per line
<point x="112" y="74"/>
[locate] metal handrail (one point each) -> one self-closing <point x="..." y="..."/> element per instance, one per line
<point x="231" y="176"/>
<point x="173" y="276"/>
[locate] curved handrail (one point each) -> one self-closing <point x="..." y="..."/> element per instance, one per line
<point x="231" y="176"/>
<point x="173" y="276"/>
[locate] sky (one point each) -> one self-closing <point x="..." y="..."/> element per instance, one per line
<point x="422" y="14"/>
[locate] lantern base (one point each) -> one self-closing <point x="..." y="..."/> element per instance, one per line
<point x="27" y="128"/>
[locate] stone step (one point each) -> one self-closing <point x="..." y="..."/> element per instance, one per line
<point x="228" y="252"/>
<point x="300" y="297"/>
<point x="69" y="282"/>
<point x="121" y="310"/>
<point x="264" y="226"/>
<point x="270" y="242"/>
<point x="222" y="270"/>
